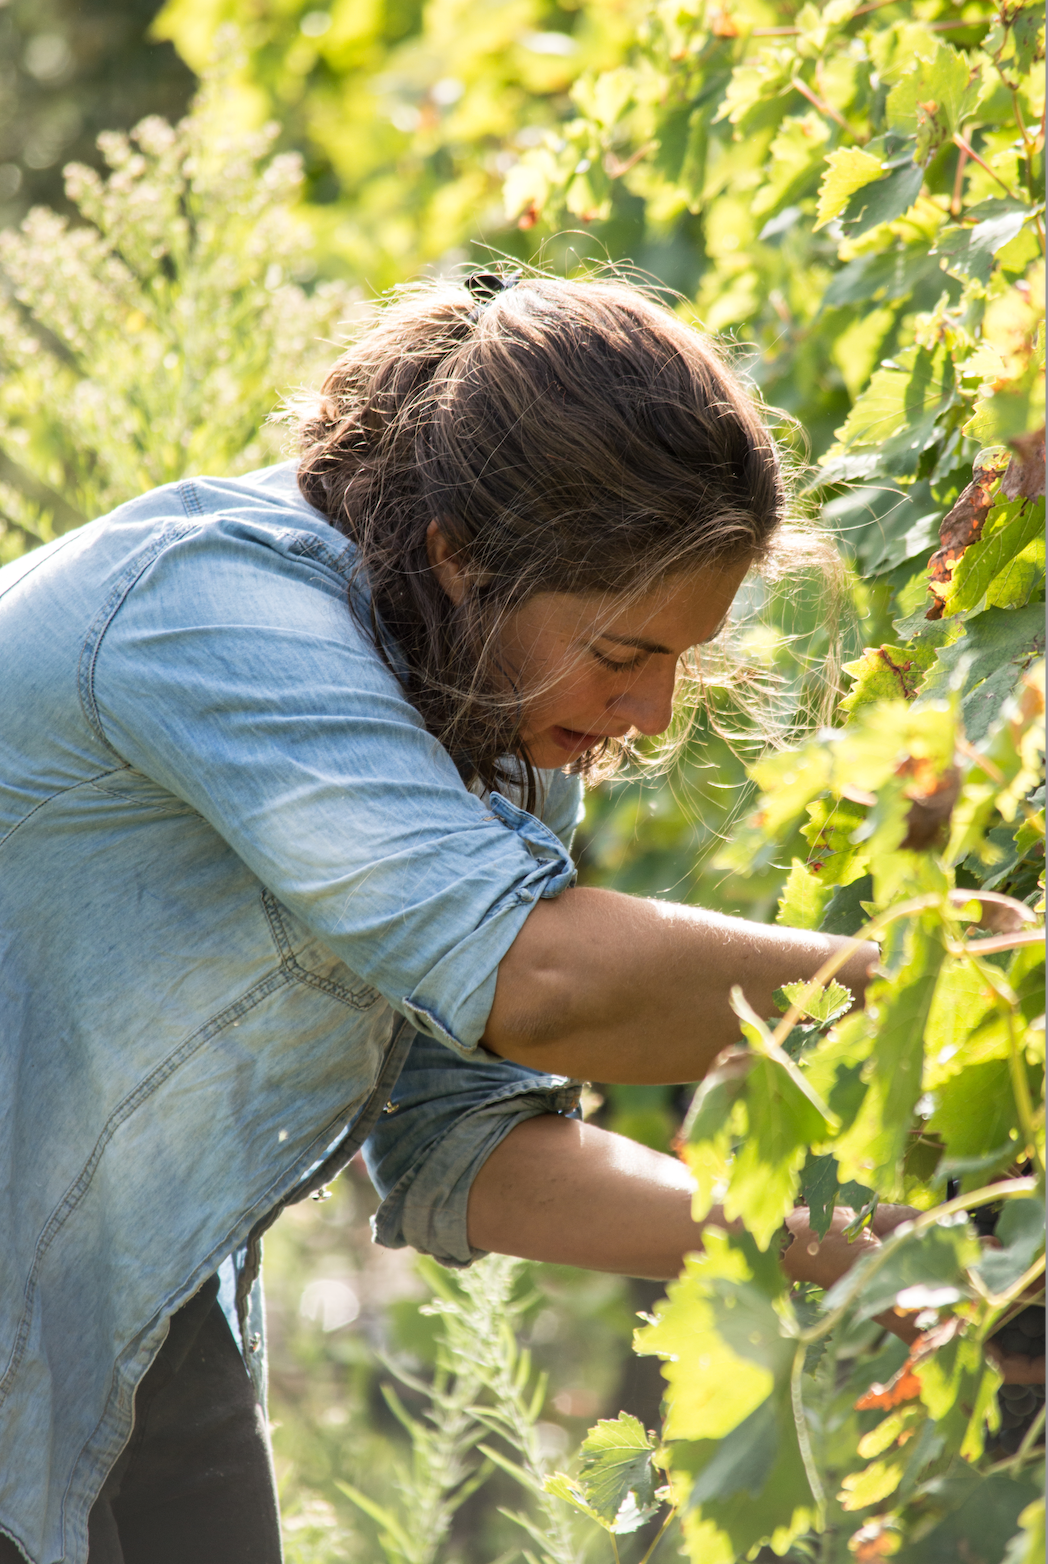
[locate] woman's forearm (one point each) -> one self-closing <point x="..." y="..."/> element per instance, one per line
<point x="559" y="1190"/>
<point x="614" y="988"/>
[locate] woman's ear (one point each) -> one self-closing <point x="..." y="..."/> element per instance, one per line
<point x="444" y="564"/>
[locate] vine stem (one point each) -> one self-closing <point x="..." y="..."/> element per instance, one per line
<point x="966" y="146"/>
<point x="1021" y="1089"/>
<point x="1029" y="1439"/>
<point x="978" y="947"/>
<point x="834" y="963"/>
<point x="800" y="1422"/>
<point x="823" y="107"/>
<point x="1029" y="149"/>
<point x="1001" y="1300"/>
<point x="663" y="1529"/>
<point x="982" y="1197"/>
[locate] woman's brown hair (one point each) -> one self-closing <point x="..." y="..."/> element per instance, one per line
<point x="567" y="436"/>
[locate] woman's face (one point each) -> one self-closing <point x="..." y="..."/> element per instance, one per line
<point x="601" y="667"/>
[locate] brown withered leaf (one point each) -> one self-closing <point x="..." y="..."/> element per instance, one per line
<point x="960" y="528"/>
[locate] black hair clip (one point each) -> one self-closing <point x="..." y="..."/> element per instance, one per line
<point x="485" y="286"/>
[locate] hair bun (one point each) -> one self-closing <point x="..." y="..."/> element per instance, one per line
<point x="486" y="286"/>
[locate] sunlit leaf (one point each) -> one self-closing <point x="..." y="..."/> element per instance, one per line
<point x="847" y="170"/>
<point x="616" y="1467"/>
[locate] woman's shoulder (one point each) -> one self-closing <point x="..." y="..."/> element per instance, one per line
<point x="265" y="506"/>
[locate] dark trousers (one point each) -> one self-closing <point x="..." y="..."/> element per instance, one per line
<point x="194" y="1485"/>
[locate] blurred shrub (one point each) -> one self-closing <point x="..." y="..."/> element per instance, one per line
<point x="153" y="338"/>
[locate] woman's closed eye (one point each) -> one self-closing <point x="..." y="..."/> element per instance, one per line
<point x="630" y="666"/>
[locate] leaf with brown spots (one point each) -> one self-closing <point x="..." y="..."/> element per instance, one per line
<point x="959" y="529"/>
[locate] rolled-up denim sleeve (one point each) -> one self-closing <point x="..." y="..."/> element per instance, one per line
<point x="232" y="673"/>
<point x="443" y="1121"/>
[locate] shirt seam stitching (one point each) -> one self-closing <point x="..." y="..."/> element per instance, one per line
<point x="170" y="533"/>
<point x="123" y="1111"/>
<point x="58" y="793"/>
<point x="355" y="998"/>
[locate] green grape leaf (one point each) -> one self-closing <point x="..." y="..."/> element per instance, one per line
<point x="979" y="1514"/>
<point x="804" y="898"/>
<point x="1020" y="1230"/>
<point x="932" y="99"/>
<point x="783" y="1118"/>
<point x="825" y="1006"/>
<point x="881" y="277"/>
<point x="885" y="673"/>
<point x="795" y="155"/>
<point x="883" y="201"/>
<point x="788" y="782"/>
<point x="849" y="907"/>
<point x="872" y="1148"/>
<point x="831" y="832"/>
<point x="886" y="525"/>
<point x="737" y="1374"/>
<point x="616" y="1473"/>
<point x="1027" y="30"/>
<point x="742" y="1461"/>
<point x="847" y="170"/>
<point x="969" y="252"/>
<point x="561" y="1486"/>
<point x="748" y="1487"/>
<point x="985" y="662"/>
<point x="1027" y="1546"/>
<point x="903" y="402"/>
<point x="991" y="567"/>
<point x="819" y="1191"/>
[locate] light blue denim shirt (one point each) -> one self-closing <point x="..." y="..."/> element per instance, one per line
<point x="249" y="916"/>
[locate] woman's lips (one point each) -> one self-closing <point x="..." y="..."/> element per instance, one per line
<point x="568" y="739"/>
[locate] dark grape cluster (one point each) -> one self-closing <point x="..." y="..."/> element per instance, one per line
<point x="1019" y="1404"/>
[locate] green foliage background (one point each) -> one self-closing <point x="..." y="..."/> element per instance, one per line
<point x="854" y="196"/>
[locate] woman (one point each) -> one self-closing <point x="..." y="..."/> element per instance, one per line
<point x="289" y="770"/>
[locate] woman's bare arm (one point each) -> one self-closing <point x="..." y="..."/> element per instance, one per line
<point x="559" y="1190"/>
<point x="573" y="1194"/>
<point x="611" y="987"/>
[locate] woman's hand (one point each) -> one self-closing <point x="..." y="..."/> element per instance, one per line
<point x="566" y="1192"/>
<point x="824" y="1261"/>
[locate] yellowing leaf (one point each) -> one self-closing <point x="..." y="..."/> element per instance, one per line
<point x="861" y="1489"/>
<point x="803" y="899"/>
<point x="847" y="170"/>
<point x="711" y="1387"/>
<point x="886" y="1433"/>
<point x="885" y="673"/>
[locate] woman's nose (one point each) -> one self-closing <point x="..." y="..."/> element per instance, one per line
<point x="648" y="704"/>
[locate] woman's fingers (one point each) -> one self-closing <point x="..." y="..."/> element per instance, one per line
<point x="886" y="1219"/>
<point x="1016" y="1368"/>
